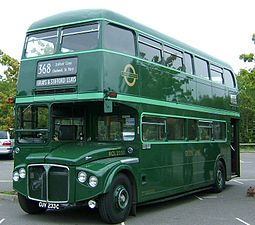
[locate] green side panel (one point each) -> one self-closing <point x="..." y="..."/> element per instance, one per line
<point x="114" y="72"/>
<point x="168" y="169"/>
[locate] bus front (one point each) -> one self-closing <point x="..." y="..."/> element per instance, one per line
<point x="71" y="140"/>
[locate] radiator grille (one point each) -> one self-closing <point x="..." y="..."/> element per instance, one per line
<point x="48" y="183"/>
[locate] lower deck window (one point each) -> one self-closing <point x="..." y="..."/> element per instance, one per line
<point x="153" y="129"/>
<point x="205" y="130"/>
<point x="115" y="128"/>
<point x="175" y="129"/>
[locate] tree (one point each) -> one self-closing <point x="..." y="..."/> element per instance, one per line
<point x="246" y="82"/>
<point x="8" y="82"/>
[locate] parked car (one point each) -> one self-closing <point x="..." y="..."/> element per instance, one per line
<point x="6" y="144"/>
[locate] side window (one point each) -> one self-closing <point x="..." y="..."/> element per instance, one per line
<point x="229" y="78"/>
<point x="216" y="74"/>
<point x="150" y="49"/>
<point x="219" y="131"/>
<point x="192" y="124"/>
<point x="205" y="130"/>
<point x="153" y="129"/>
<point x="201" y="67"/>
<point x="80" y="38"/>
<point x="173" y="58"/>
<point x="119" y="39"/>
<point x="175" y="129"/>
<point x="188" y="63"/>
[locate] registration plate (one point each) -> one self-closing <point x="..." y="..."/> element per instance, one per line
<point x="48" y="205"/>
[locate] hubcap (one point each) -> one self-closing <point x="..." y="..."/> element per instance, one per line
<point x="122" y="197"/>
<point x="219" y="177"/>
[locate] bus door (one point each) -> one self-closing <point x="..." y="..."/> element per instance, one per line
<point x="234" y="147"/>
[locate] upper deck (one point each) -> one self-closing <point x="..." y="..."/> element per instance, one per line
<point x="89" y="73"/>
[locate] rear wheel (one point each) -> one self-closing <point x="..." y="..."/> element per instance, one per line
<point x="114" y="206"/>
<point x="30" y="206"/>
<point x="220" y="177"/>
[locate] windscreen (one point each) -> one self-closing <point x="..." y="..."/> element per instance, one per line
<point x="32" y="126"/>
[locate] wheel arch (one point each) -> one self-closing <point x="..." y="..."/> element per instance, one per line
<point x="222" y="160"/>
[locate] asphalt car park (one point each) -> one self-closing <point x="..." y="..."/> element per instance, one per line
<point x="232" y="206"/>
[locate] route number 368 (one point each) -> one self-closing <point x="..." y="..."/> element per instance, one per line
<point x="44" y="69"/>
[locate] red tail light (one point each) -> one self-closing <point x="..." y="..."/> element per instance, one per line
<point x="7" y="143"/>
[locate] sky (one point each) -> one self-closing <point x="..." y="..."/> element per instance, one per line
<point x="221" y="28"/>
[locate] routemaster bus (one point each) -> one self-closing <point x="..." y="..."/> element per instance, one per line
<point x="114" y="115"/>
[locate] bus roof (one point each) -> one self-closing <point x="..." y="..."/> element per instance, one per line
<point x="79" y="16"/>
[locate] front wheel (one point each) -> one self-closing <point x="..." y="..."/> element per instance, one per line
<point x="30" y="206"/>
<point x="220" y="177"/>
<point x="114" y="206"/>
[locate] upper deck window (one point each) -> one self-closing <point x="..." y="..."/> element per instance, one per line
<point x="150" y="49"/>
<point x="80" y="38"/>
<point x="119" y="39"/>
<point x="173" y="58"/>
<point x="188" y="63"/>
<point x="229" y="78"/>
<point x="41" y="44"/>
<point x="216" y="74"/>
<point x="201" y="67"/>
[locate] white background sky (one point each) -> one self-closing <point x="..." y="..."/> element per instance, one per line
<point x="221" y="28"/>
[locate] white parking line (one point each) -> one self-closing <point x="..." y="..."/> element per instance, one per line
<point x="248" y="179"/>
<point x="242" y="221"/>
<point x="201" y="199"/>
<point x="210" y="196"/>
<point x="2" y="220"/>
<point x="238" y="182"/>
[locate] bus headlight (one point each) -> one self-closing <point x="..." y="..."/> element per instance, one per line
<point x="15" y="176"/>
<point x="82" y="176"/>
<point x="22" y="173"/>
<point x="93" y="181"/>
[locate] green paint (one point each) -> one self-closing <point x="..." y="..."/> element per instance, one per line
<point x="158" y="169"/>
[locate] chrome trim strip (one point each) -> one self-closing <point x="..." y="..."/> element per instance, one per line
<point x="49" y="165"/>
<point x="129" y="161"/>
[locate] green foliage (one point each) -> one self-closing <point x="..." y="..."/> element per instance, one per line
<point x="246" y="82"/>
<point x="8" y="82"/>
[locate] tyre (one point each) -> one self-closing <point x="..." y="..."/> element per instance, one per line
<point x="220" y="177"/>
<point x="30" y="206"/>
<point x="114" y="206"/>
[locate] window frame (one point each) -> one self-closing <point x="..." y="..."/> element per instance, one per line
<point x="163" y="123"/>
<point x="197" y="60"/>
<point x="25" y="53"/>
<point x="122" y="28"/>
<point x="69" y="34"/>
<point x="233" y="84"/>
<point x="149" y="42"/>
<point x="173" y="52"/>
<point x="218" y="70"/>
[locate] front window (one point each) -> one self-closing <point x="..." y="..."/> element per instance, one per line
<point x="32" y="126"/>
<point x="115" y="128"/>
<point x="69" y="122"/>
<point x="80" y="38"/>
<point x="41" y="44"/>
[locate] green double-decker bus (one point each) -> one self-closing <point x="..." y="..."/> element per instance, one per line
<point x="113" y="114"/>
